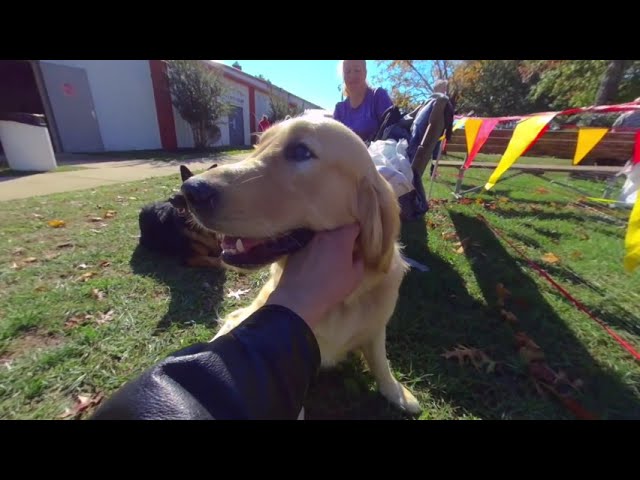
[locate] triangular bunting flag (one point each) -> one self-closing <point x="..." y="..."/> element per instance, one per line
<point x="488" y="124"/>
<point x="632" y="240"/>
<point x="587" y="139"/>
<point x="471" y="131"/>
<point x="525" y="133"/>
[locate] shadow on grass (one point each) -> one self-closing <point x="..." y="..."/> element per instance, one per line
<point x="435" y="313"/>
<point x="195" y="292"/>
<point x="604" y="393"/>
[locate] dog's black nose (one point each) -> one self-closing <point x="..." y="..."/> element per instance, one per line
<point x="199" y="192"/>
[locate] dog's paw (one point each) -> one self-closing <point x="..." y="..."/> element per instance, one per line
<point x="401" y="397"/>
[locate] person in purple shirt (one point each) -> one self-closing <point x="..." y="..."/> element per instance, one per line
<point x="364" y="106"/>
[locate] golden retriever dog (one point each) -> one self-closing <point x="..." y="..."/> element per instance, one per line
<point x="309" y="174"/>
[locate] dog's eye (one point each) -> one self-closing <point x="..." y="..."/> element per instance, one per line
<point x="298" y="152"/>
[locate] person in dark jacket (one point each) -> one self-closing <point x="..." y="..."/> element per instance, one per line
<point x="262" y="368"/>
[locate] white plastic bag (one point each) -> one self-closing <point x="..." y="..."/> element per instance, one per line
<point x="390" y="158"/>
<point x="629" y="194"/>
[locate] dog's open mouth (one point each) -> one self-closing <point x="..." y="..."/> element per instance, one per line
<point x="246" y="252"/>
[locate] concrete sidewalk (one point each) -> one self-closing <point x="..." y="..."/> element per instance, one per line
<point x="96" y="174"/>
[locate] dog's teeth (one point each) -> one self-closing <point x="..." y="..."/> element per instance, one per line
<point x="239" y="246"/>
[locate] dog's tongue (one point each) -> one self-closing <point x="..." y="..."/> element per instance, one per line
<point x="247" y="243"/>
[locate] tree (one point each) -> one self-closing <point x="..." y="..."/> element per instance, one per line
<point x="279" y="107"/>
<point x="610" y="83"/>
<point x="412" y="80"/>
<point x="494" y="88"/>
<point x="198" y="93"/>
<point x="580" y="83"/>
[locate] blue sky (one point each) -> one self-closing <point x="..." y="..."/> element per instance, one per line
<point x="314" y="80"/>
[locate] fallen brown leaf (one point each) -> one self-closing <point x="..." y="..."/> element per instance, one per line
<point x="462" y="244"/>
<point x="509" y="316"/>
<point x="97" y="294"/>
<point x="86" y="276"/>
<point x="477" y="357"/>
<point x="77" y="320"/>
<point x="465" y="201"/>
<point x="105" y="263"/>
<point x="64" y="245"/>
<point x="14" y="266"/>
<point x="529" y="350"/>
<point x="36" y="215"/>
<point x="82" y="403"/>
<point x="30" y="260"/>
<point x="430" y="224"/>
<point x="542" y="190"/>
<point x="502" y="293"/>
<point x="95" y="219"/>
<point x="238" y="293"/>
<point x="550" y="258"/>
<point x="56" y="223"/>
<point x="449" y="236"/>
<point x="52" y="255"/>
<point x="105" y="317"/>
<point x="110" y="214"/>
<point x="479" y="201"/>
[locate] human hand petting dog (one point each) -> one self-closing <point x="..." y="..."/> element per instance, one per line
<point x="320" y="275"/>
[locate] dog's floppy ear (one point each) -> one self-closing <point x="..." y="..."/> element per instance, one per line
<point x="185" y="173"/>
<point x="379" y="217"/>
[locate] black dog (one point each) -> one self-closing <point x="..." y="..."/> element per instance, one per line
<point x="168" y="227"/>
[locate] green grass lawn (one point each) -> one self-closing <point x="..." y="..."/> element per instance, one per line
<point x="83" y="308"/>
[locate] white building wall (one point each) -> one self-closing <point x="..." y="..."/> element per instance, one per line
<point x="124" y="103"/>
<point x="262" y="106"/>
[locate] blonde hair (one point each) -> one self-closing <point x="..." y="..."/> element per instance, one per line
<point x="440" y="86"/>
<point x="345" y="90"/>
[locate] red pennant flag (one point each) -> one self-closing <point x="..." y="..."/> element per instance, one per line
<point x="488" y="124"/>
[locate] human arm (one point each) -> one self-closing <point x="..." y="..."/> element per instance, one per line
<point x="259" y="370"/>
<point x="263" y="367"/>
<point x="448" y="120"/>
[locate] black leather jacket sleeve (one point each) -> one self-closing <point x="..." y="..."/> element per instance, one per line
<point x="259" y="370"/>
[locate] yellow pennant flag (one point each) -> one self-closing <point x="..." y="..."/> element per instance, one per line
<point x="632" y="239"/>
<point x="471" y="130"/>
<point x="587" y="139"/>
<point x="525" y="133"/>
